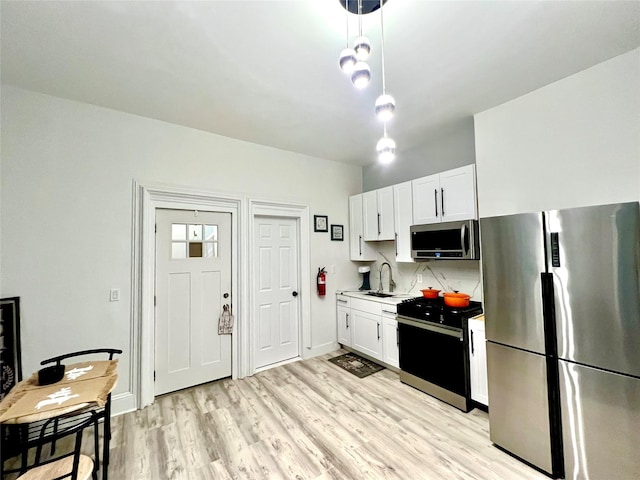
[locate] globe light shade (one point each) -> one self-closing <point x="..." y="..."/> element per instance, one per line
<point x="362" y="46"/>
<point x="347" y="60"/>
<point x="385" y="107"/>
<point x="361" y="75"/>
<point x="386" y="149"/>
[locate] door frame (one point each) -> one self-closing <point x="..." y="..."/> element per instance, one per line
<point x="263" y="208"/>
<point x="146" y="199"/>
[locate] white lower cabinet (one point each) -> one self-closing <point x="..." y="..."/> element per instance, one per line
<point x="390" y="352"/>
<point x="368" y="327"/>
<point x="367" y="333"/>
<point x="478" y="361"/>
<point x="344" y="321"/>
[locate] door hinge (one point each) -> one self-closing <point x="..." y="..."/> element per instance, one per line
<point x="156" y="228"/>
<point x="154" y="375"/>
<point x="154" y="300"/>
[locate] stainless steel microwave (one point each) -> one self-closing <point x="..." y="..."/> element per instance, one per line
<point x="450" y="240"/>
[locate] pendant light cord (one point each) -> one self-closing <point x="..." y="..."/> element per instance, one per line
<point x="359" y="18"/>
<point x="384" y="90"/>
<point x="346" y="7"/>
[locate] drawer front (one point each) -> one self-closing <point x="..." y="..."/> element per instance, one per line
<point x="366" y="306"/>
<point x="343" y="301"/>
<point x="388" y="310"/>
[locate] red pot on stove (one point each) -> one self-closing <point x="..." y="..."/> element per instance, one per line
<point x="430" y="292"/>
<point x="455" y="299"/>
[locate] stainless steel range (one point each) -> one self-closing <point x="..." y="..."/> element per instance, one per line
<point x="433" y="343"/>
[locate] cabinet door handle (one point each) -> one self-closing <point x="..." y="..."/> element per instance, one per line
<point x="472" y="349"/>
<point x="442" y="200"/>
<point x="397" y="337"/>
<point x="360" y="243"/>
<point x="435" y="199"/>
<point x="347" y="320"/>
<point x="378" y="330"/>
<point x="342" y="301"/>
<point x="396" y="244"/>
<point x="378" y="224"/>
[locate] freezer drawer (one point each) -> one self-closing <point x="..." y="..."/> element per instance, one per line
<point x="519" y="413"/>
<point x="600" y="423"/>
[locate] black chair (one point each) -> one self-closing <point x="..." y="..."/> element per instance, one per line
<point x="70" y="463"/>
<point x="100" y="413"/>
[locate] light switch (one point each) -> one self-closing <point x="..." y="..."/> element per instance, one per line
<point x="114" y="295"/>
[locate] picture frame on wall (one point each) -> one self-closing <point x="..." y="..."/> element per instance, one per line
<point x="10" y="352"/>
<point x="337" y="232"/>
<point x="320" y="223"/>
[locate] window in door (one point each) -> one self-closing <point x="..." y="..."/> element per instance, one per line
<point x="193" y="241"/>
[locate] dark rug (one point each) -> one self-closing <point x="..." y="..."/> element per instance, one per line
<point x="352" y="363"/>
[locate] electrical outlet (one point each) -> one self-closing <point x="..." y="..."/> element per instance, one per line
<point x="114" y="295"/>
<point x="333" y="269"/>
<point x="419" y="278"/>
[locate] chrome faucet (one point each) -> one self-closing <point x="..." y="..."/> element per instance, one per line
<point x="392" y="284"/>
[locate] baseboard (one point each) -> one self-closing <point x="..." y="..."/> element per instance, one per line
<point x="320" y="350"/>
<point x="123" y="403"/>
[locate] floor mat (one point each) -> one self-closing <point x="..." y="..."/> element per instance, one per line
<point x="352" y="363"/>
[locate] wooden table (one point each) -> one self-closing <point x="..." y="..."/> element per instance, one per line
<point x="85" y="386"/>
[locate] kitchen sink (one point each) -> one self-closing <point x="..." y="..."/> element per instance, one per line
<point x="379" y="294"/>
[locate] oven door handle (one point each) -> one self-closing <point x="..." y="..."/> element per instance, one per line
<point x="429" y="326"/>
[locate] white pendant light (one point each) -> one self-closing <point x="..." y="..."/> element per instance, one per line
<point x="347" y="60"/>
<point x="362" y="47"/>
<point x="361" y="75"/>
<point x="385" y="107"/>
<point x="386" y="149"/>
<point x="348" y="55"/>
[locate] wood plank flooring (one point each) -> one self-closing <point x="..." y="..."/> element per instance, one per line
<point x="307" y="420"/>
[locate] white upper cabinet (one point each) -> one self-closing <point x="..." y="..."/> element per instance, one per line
<point x="445" y="197"/>
<point x="360" y="250"/>
<point x="426" y="199"/>
<point x="378" y="214"/>
<point x="403" y="219"/>
<point x="458" y="194"/>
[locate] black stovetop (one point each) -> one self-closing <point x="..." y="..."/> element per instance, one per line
<point x="435" y="311"/>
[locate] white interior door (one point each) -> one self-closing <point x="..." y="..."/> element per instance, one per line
<point x="193" y="275"/>
<point x="276" y="279"/>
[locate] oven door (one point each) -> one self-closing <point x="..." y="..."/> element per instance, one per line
<point x="434" y="359"/>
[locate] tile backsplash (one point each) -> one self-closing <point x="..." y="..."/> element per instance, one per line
<point x="446" y="275"/>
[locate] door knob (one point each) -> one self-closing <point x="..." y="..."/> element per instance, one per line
<point x="226" y="295"/>
<point x="294" y="293"/>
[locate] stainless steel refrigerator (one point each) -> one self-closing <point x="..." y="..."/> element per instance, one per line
<point x="562" y="310"/>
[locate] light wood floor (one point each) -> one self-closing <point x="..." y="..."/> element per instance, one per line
<point x="307" y="420"/>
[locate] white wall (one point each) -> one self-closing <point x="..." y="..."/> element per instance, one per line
<point x="451" y="147"/>
<point x="66" y="219"/>
<point x="575" y="142"/>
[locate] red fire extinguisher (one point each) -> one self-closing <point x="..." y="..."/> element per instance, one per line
<point x="321" y="282"/>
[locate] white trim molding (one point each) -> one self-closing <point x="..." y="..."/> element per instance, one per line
<point x="147" y="197"/>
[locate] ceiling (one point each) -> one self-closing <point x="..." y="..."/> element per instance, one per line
<point x="266" y="71"/>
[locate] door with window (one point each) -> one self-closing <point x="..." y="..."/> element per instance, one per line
<point x="276" y="278"/>
<point x="193" y="283"/>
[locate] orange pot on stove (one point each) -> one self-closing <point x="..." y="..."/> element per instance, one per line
<point x="430" y="292"/>
<point x="456" y="299"/>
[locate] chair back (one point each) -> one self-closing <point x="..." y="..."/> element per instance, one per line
<point x="110" y="352"/>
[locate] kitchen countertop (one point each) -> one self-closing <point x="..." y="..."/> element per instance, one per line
<point x="397" y="296"/>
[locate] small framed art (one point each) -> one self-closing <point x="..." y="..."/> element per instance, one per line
<point x="320" y="223"/>
<point x="337" y="232"/>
